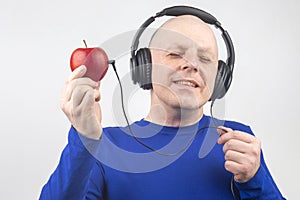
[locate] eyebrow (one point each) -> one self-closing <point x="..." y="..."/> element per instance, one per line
<point x="206" y="52"/>
<point x="177" y="46"/>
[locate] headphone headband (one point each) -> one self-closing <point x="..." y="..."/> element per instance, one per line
<point x="187" y="10"/>
<point x="223" y="82"/>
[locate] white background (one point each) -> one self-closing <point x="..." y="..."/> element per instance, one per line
<point x="38" y="36"/>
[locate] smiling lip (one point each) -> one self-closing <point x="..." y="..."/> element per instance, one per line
<point x="186" y="82"/>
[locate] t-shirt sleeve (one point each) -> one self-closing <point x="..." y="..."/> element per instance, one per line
<point x="71" y="178"/>
<point x="96" y="184"/>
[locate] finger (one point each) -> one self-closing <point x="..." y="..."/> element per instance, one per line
<point x="240" y="178"/>
<point x="97" y="92"/>
<point x="66" y="108"/>
<point x="98" y="83"/>
<point x="88" y="101"/>
<point x="236" y="145"/>
<point x="222" y="130"/>
<point x="239" y="135"/>
<point x="246" y="137"/>
<point x="232" y="166"/>
<point x="77" y="73"/>
<point x="77" y="83"/>
<point x="98" y="112"/>
<point x="235" y="156"/>
<point x="97" y="95"/>
<point x="79" y="94"/>
<point x="242" y="172"/>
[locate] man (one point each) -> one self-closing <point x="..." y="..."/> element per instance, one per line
<point x="185" y="60"/>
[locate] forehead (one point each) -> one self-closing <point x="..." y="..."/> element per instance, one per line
<point x="185" y="31"/>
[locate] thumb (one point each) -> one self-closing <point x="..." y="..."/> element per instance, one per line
<point x="78" y="72"/>
<point x="222" y="130"/>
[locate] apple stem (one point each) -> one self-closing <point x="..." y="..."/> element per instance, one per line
<point x="85" y="44"/>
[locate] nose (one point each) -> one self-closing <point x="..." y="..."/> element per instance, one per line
<point x="190" y="64"/>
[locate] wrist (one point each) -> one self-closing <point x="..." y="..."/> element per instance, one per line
<point x="90" y="134"/>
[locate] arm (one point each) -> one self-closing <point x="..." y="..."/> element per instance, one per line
<point x="70" y="180"/>
<point x="79" y="102"/>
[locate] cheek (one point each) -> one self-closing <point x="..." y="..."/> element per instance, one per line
<point x="161" y="69"/>
<point x="161" y="74"/>
<point x="211" y="82"/>
<point x="210" y="76"/>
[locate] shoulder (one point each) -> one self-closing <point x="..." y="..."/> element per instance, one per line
<point x="234" y="125"/>
<point x="114" y="131"/>
<point x="238" y="126"/>
<point x="120" y="132"/>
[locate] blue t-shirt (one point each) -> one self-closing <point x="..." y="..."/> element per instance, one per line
<point x="147" y="161"/>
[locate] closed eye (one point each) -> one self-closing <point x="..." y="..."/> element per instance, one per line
<point x="204" y="59"/>
<point x="175" y="54"/>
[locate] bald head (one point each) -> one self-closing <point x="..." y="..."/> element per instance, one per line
<point x="184" y="65"/>
<point x="185" y="29"/>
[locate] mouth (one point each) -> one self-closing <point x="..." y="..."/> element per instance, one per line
<point x="189" y="83"/>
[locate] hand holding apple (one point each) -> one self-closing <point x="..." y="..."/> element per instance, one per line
<point x="95" y="60"/>
<point x="79" y="102"/>
<point x="81" y="93"/>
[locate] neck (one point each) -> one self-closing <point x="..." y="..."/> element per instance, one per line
<point x="176" y="117"/>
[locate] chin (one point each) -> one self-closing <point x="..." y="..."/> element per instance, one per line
<point x="191" y="104"/>
<point x="184" y="99"/>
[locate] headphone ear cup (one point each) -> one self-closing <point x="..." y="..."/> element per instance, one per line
<point x="144" y="65"/>
<point x="222" y="81"/>
<point x="134" y="69"/>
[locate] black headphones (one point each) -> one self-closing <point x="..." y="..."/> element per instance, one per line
<point x="140" y="61"/>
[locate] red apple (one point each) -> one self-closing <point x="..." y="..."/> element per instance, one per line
<point x="95" y="59"/>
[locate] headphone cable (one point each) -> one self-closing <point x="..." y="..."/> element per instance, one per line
<point x="112" y="62"/>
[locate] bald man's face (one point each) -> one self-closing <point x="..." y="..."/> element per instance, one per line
<point x="184" y="57"/>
